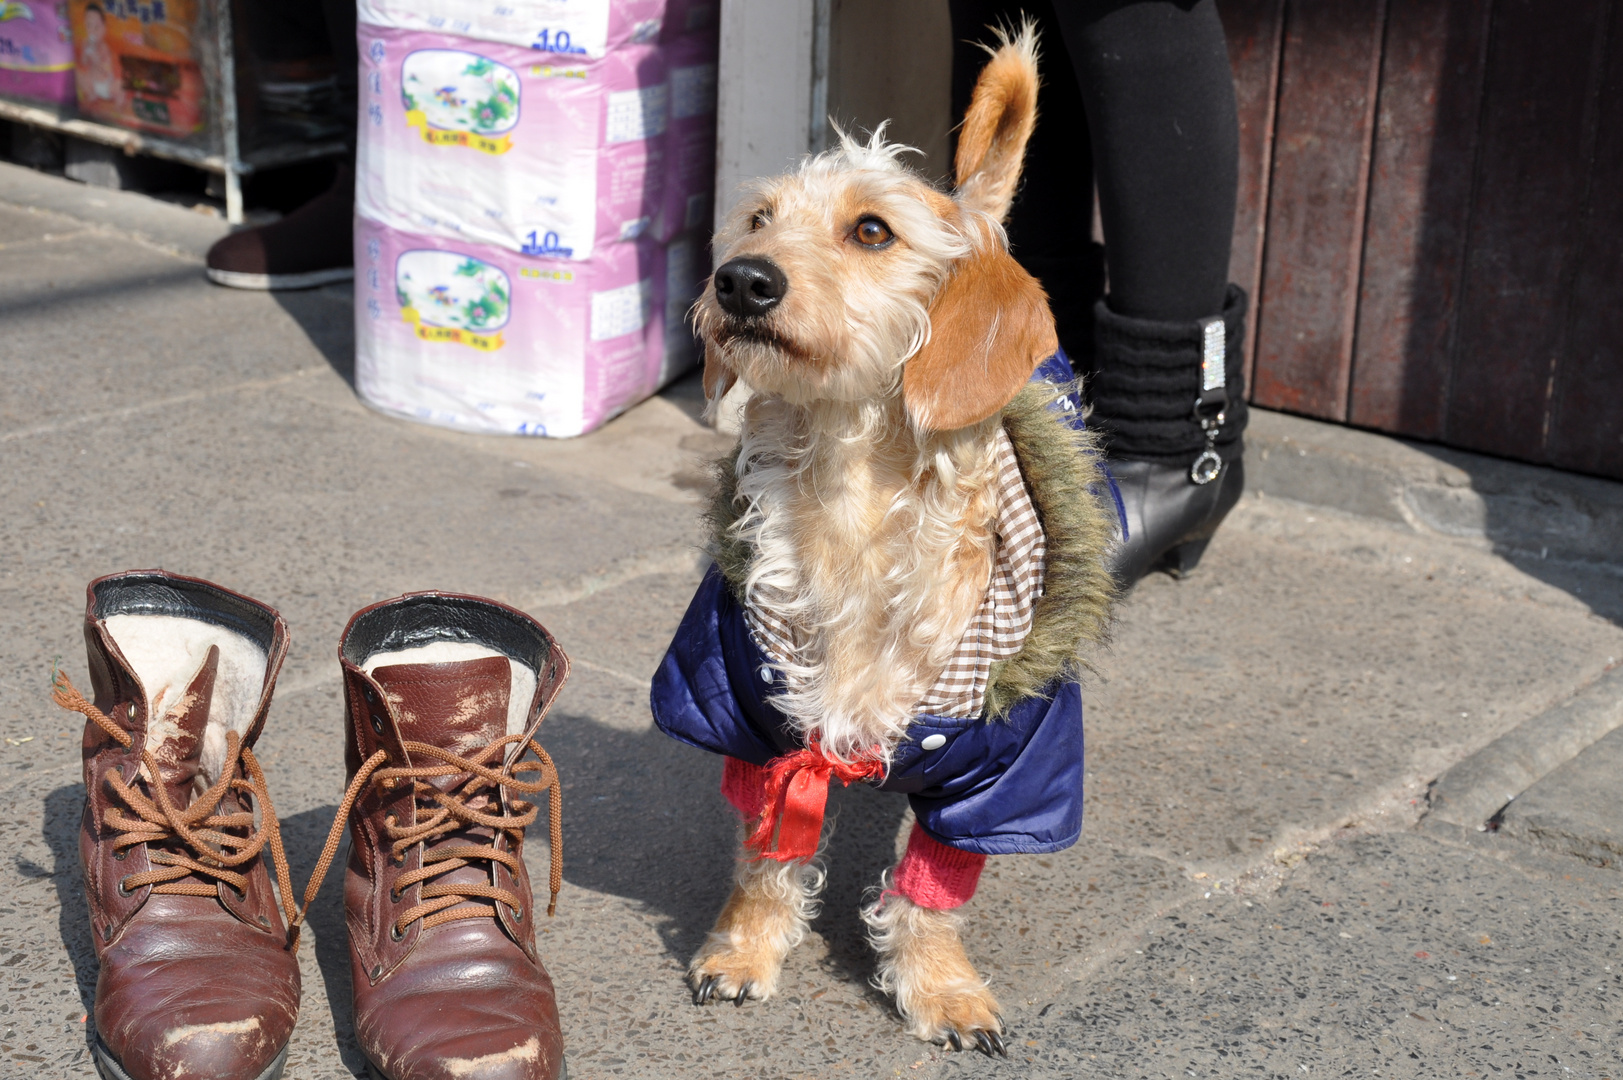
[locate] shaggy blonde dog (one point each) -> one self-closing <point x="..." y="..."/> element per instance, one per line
<point x="885" y="330"/>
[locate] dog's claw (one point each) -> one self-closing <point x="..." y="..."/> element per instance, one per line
<point x="957" y="1043"/>
<point x="743" y="994"/>
<point x="701" y="996"/>
<point x="983" y="1043"/>
<point x="997" y="1043"/>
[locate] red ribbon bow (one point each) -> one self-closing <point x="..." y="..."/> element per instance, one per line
<point x="796" y="793"/>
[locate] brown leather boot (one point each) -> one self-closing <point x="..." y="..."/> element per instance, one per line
<point x="197" y="977"/>
<point x="445" y="693"/>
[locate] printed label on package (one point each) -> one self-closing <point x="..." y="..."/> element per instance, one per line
<point x="496" y="145"/>
<point x="485" y="339"/>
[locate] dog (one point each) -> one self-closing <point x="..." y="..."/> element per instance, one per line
<point x="909" y="548"/>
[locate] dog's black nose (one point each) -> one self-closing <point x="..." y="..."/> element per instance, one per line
<point x="749" y="288"/>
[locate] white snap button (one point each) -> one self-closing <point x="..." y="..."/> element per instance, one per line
<point x="766" y="673"/>
<point x="934" y="742"/>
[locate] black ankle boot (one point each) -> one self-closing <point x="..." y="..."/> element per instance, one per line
<point x="1169" y="400"/>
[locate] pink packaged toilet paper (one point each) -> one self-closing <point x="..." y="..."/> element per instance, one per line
<point x="690" y="138"/>
<point x="36" y="51"/>
<point x="484" y="339"/>
<point x="582" y="28"/>
<point x="544" y="155"/>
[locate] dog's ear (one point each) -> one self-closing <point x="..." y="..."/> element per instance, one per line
<point x="718" y="377"/>
<point x="1002" y="113"/>
<point x="989" y="329"/>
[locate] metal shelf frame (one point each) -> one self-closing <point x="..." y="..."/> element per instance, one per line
<point x="230" y="163"/>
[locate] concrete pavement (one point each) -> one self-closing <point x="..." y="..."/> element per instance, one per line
<point x="1259" y="889"/>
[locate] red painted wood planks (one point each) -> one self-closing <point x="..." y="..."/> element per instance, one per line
<point x="1316" y="205"/>
<point x="1586" y="410"/>
<point x="1253" y="28"/>
<point x="1522" y="242"/>
<point x="1427" y="122"/>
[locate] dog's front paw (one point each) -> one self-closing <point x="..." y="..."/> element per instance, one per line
<point x="938" y="992"/>
<point x="763" y="919"/>
<point x="965" y="1017"/>
<point x="723" y="972"/>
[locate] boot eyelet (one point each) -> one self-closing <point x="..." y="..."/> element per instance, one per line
<point x="121" y="854"/>
<point x="123" y="890"/>
<point x="394" y="896"/>
<point x="518" y="914"/>
<point x="395" y="933"/>
<point x="377" y="724"/>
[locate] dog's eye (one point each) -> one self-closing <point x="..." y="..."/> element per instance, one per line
<point x="871" y="232"/>
<point x="757" y="222"/>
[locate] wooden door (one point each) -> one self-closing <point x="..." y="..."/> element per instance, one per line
<point x="1431" y="219"/>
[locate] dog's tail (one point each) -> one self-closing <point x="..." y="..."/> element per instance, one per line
<point x="1002" y="113"/>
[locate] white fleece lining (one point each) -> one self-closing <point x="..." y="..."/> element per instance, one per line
<point x="519" y="694"/>
<point x="166" y="653"/>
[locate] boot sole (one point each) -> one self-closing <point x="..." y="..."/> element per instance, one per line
<point x="109" y="1068"/>
<point x="375" y="1073"/>
<point x="237" y="279"/>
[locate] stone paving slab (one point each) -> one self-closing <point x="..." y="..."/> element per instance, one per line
<point x="1392" y="956"/>
<point x="1522" y="510"/>
<point x="1479" y="787"/>
<point x="1577" y="808"/>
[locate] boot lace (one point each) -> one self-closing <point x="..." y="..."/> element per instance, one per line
<point x="473" y="803"/>
<point x="199" y="841"/>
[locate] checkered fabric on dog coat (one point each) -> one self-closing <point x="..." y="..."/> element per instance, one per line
<point x="1010" y="786"/>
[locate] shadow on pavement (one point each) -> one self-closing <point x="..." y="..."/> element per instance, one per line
<point x="302" y="836"/>
<point x="1562" y="528"/>
<point x="126" y="290"/>
<point x="63" y="808"/>
<point x="644" y="820"/>
<point x="327" y="317"/>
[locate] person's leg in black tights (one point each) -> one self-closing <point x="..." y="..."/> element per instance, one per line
<point x="1146" y="86"/>
<point x="1159" y="94"/>
<point x="312" y="245"/>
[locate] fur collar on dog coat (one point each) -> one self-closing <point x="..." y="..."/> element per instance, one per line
<point x="1008" y="782"/>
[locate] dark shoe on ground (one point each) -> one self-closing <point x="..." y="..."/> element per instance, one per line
<point x="444" y="696"/>
<point x="1170" y="518"/>
<point x="312" y="246"/>
<point x="197" y="976"/>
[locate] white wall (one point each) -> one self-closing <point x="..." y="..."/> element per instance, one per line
<point x="772" y="75"/>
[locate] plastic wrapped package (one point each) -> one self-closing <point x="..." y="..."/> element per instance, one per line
<point x="485" y="339"/>
<point x="588" y="29"/>
<point x="36" y="51"/>
<point x="544" y="155"/>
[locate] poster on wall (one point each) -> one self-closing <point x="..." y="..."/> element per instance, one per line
<point x="136" y="63"/>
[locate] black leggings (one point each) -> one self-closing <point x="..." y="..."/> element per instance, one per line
<point x="1137" y="96"/>
<point x="280" y="30"/>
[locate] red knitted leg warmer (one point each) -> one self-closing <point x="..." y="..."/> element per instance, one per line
<point x="935" y="876"/>
<point x="744" y="785"/>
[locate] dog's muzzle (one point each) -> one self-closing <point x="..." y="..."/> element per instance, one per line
<point x="748" y="288"/>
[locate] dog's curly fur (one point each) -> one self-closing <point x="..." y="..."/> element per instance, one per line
<point x="1063" y="472"/>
